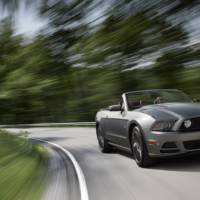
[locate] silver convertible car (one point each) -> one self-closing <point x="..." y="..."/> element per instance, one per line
<point x="150" y="124"/>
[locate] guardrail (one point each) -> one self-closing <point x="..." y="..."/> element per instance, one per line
<point x="48" y="125"/>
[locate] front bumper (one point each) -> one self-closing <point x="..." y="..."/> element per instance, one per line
<point x="172" y="143"/>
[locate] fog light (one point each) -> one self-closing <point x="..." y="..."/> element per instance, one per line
<point x="187" y="123"/>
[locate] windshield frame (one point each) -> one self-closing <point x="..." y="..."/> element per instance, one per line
<point x="140" y="92"/>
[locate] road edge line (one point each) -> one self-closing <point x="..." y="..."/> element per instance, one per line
<point x="79" y="172"/>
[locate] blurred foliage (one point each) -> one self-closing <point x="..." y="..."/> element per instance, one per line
<point x="74" y="67"/>
<point x="16" y="154"/>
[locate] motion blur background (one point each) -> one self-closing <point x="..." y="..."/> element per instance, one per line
<point x="62" y="60"/>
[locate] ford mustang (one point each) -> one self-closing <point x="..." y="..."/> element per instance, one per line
<point x="150" y="124"/>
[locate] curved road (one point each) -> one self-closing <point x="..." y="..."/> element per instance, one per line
<point x="116" y="176"/>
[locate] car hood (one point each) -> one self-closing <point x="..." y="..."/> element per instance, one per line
<point x="175" y="110"/>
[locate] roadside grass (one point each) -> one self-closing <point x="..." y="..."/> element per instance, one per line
<point x="22" y="167"/>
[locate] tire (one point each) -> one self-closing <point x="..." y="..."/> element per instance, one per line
<point x="139" y="149"/>
<point x="104" y="146"/>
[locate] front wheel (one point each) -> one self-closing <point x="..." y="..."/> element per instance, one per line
<point x="104" y="146"/>
<point x="139" y="149"/>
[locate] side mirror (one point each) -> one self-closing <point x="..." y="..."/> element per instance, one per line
<point x="115" y="108"/>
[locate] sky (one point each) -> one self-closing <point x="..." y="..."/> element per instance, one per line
<point x="29" y="23"/>
<point x="27" y="20"/>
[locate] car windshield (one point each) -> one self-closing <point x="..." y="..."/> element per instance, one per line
<point x="141" y="98"/>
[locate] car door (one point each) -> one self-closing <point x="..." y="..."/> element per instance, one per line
<point x="116" y="126"/>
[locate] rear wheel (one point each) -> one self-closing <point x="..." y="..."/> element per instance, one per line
<point x="104" y="146"/>
<point x="139" y="149"/>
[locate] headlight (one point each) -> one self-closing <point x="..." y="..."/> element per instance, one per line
<point x="187" y="123"/>
<point x="163" y="126"/>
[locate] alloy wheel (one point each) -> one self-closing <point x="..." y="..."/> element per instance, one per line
<point x="100" y="138"/>
<point x="137" y="149"/>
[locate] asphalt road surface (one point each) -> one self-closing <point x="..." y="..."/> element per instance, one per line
<point x="115" y="176"/>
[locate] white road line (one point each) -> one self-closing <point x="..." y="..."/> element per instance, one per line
<point x="79" y="172"/>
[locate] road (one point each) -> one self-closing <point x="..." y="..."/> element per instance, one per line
<point x="116" y="176"/>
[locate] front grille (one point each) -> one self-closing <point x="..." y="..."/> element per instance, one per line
<point x="192" y="145"/>
<point x="169" y="145"/>
<point x="169" y="150"/>
<point x="194" y="127"/>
